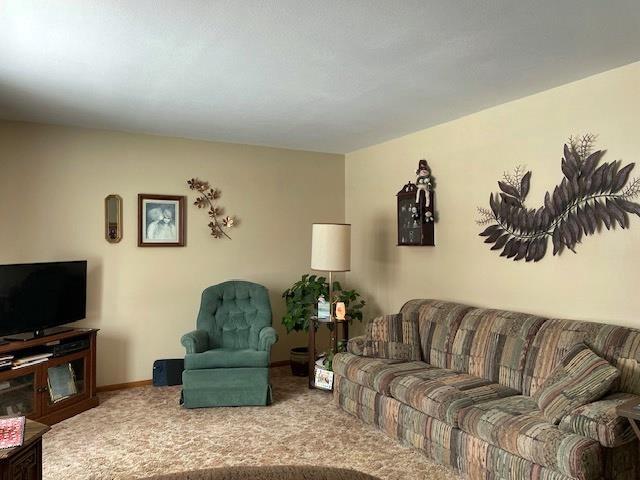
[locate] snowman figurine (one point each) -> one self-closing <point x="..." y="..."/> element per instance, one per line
<point x="423" y="182"/>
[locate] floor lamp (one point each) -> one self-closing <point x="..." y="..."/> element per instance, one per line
<point x="331" y="252"/>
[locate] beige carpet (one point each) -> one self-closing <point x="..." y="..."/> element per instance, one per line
<point x="143" y="431"/>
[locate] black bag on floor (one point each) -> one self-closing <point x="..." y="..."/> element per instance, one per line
<point x="168" y="372"/>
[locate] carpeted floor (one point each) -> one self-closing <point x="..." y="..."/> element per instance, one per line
<point x="143" y="431"/>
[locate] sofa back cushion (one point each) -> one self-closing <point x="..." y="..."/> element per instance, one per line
<point x="438" y="323"/>
<point x="518" y="350"/>
<point x="619" y="345"/>
<point x="493" y="344"/>
<point x="392" y="336"/>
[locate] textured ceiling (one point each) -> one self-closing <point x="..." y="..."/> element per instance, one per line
<point x="330" y="75"/>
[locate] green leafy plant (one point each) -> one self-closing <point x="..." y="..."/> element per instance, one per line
<point x="302" y="298"/>
<point x="591" y="195"/>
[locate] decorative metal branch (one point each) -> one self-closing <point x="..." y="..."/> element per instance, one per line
<point x="207" y="199"/>
<point x="588" y="197"/>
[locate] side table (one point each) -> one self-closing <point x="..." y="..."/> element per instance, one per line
<point x="316" y="322"/>
<point x="631" y="411"/>
<point x="25" y="462"/>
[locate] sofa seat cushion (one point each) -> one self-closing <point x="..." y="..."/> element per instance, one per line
<point x="374" y="373"/>
<point x="442" y="393"/>
<point x="516" y="425"/>
<point x="226" y="358"/>
<point x="599" y="420"/>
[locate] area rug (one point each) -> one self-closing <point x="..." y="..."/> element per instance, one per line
<point x="291" y="472"/>
<point x="141" y="432"/>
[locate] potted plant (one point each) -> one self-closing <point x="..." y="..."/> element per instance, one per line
<point x="301" y="301"/>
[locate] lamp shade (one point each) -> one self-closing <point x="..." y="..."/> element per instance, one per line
<point x="331" y="247"/>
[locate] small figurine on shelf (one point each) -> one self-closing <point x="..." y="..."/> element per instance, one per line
<point x="323" y="308"/>
<point x="415" y="214"/>
<point x="423" y="182"/>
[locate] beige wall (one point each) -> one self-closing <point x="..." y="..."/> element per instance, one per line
<point x="53" y="182"/>
<point x="468" y="156"/>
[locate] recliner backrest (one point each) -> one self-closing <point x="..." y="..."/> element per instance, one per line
<point x="233" y="313"/>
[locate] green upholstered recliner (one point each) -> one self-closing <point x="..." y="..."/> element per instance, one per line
<point x="227" y="360"/>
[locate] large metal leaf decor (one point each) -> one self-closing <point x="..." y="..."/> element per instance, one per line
<point x="591" y="195"/>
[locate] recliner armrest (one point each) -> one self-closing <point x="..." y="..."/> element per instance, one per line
<point x="196" y="341"/>
<point x="267" y="338"/>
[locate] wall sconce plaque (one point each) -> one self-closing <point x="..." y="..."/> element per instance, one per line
<point x="113" y="218"/>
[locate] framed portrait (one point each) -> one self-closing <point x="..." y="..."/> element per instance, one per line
<point x="323" y="378"/>
<point x="161" y="220"/>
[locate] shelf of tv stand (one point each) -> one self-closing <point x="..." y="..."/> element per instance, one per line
<point x="45" y="412"/>
<point x="16" y="345"/>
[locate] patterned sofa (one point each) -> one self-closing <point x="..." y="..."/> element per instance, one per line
<point x="468" y="403"/>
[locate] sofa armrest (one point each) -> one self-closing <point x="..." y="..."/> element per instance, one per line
<point x="599" y="421"/>
<point x="267" y="338"/>
<point x="196" y="341"/>
<point x="355" y="345"/>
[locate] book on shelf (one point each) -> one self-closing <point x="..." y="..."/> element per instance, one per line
<point x="32" y="358"/>
<point x="62" y="382"/>
<point x="28" y="364"/>
<point x="4" y="358"/>
<point x="12" y="432"/>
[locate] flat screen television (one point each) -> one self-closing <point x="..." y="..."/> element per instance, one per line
<point x="36" y="298"/>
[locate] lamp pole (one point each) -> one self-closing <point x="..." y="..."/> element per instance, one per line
<point x="334" y="327"/>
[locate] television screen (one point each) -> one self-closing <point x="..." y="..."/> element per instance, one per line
<point x="41" y="295"/>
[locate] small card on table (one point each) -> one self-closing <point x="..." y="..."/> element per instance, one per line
<point x="11" y="432"/>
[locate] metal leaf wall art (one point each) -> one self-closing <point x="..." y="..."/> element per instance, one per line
<point x="208" y="199"/>
<point x="591" y="195"/>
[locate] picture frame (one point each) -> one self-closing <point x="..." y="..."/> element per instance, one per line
<point x="323" y="379"/>
<point x="161" y="220"/>
<point x="61" y="380"/>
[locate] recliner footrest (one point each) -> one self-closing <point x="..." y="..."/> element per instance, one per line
<point x="226" y="387"/>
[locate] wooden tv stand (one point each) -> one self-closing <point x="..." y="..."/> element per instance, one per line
<point x="26" y="390"/>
